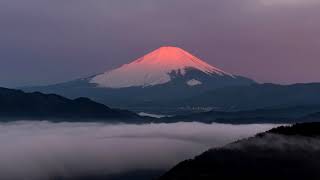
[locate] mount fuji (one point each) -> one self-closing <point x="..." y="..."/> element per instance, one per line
<point x="158" y="67"/>
<point x="162" y="76"/>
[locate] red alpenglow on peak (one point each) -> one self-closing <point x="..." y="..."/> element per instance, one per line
<point x="154" y="68"/>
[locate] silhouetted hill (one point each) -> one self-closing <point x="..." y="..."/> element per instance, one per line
<point x="288" y="153"/>
<point x="16" y="104"/>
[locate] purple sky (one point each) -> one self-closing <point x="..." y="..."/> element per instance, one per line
<point x="49" y="41"/>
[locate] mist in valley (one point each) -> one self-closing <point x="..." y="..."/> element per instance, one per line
<point x="43" y="150"/>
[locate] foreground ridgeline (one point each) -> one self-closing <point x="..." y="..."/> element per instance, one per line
<point x="19" y="105"/>
<point x="289" y="153"/>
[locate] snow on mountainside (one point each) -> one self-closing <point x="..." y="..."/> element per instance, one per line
<point x="194" y="82"/>
<point x="155" y="68"/>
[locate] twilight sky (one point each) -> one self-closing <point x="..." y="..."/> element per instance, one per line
<point x="49" y="41"/>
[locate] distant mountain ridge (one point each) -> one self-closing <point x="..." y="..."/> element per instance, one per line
<point x="280" y="115"/>
<point x="257" y="96"/>
<point x="16" y="104"/>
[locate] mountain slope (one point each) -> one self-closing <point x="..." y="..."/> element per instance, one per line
<point x="16" y="104"/>
<point x="289" y="153"/>
<point x="164" y="75"/>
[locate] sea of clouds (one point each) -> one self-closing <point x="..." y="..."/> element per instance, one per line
<point x="42" y="150"/>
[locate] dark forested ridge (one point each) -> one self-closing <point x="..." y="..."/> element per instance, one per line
<point x="16" y="104"/>
<point x="290" y="153"/>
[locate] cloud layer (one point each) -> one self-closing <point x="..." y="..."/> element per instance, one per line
<point x="42" y="150"/>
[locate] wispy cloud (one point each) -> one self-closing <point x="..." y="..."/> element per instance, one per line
<point x="289" y="2"/>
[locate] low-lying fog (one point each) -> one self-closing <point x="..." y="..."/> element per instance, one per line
<point x="42" y="150"/>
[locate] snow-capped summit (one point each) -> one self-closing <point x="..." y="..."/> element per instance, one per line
<point x="156" y="68"/>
